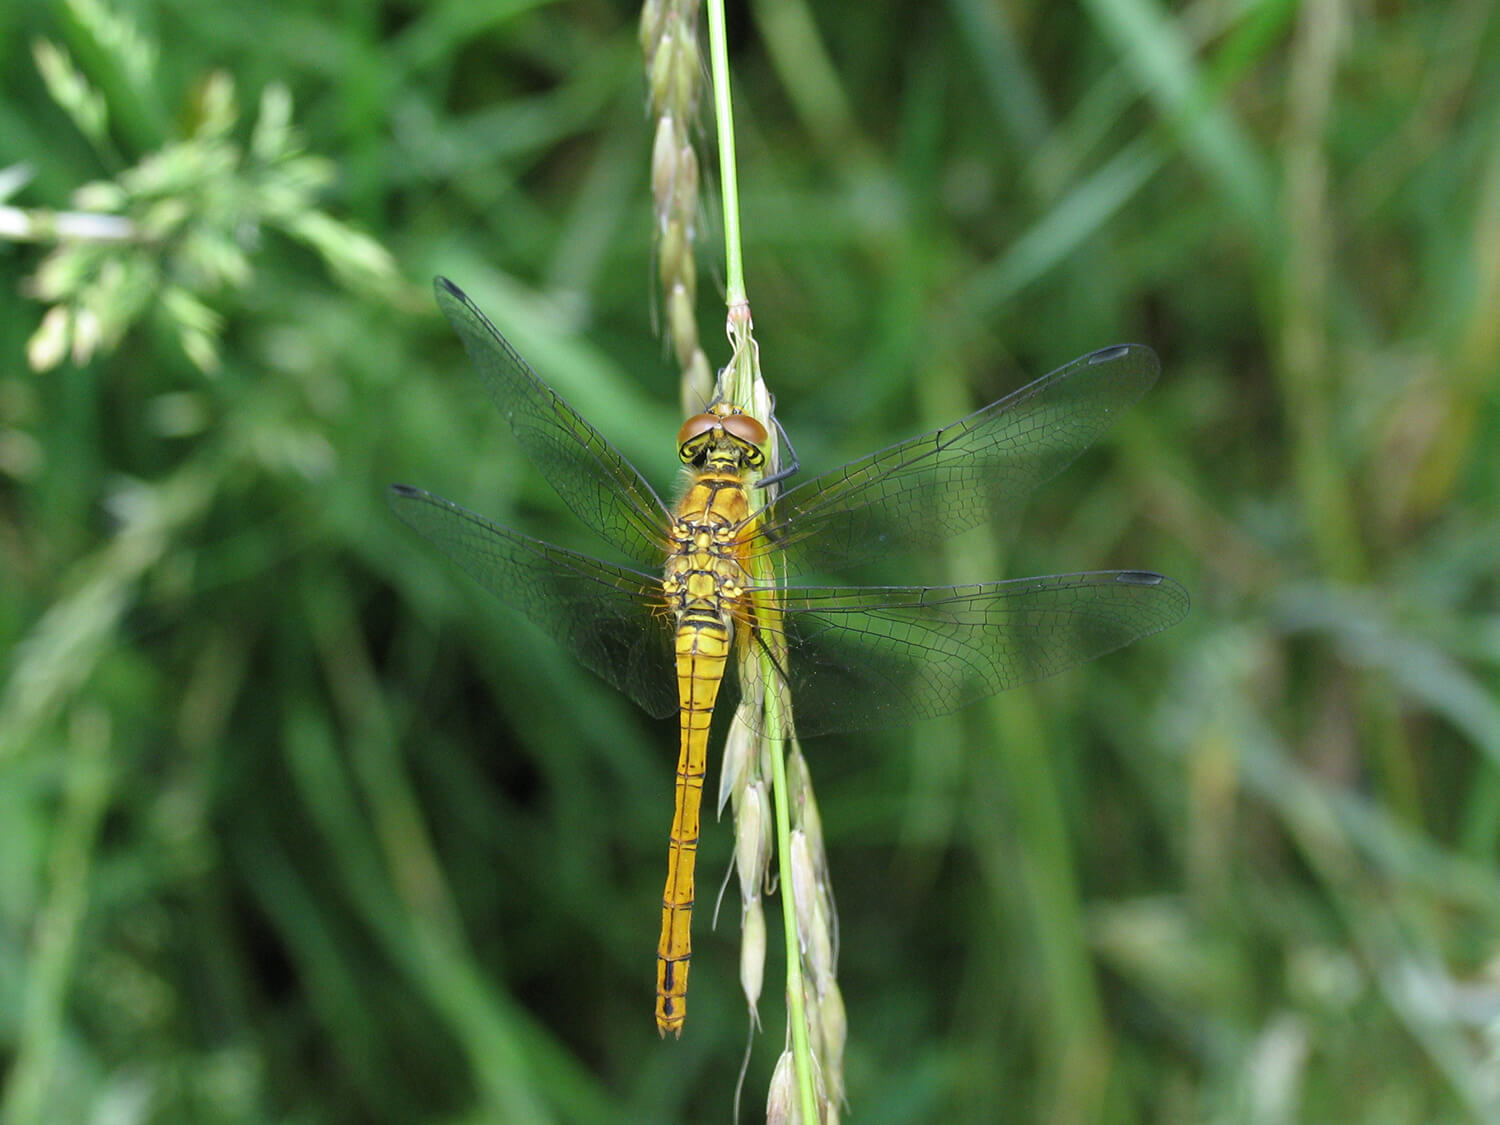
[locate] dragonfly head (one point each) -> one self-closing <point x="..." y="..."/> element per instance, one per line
<point x="723" y="436"/>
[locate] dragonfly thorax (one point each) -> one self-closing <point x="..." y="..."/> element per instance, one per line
<point x="722" y="437"/>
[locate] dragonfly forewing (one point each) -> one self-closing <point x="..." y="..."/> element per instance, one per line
<point x="593" y="478"/>
<point x="611" y="618"/>
<point x="936" y="485"/>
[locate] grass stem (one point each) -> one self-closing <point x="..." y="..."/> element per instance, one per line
<point x="736" y="299"/>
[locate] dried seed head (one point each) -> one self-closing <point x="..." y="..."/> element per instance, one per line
<point x="659" y="77"/>
<point x="751" y="841"/>
<point x="782" y="1104"/>
<point x="739" y="745"/>
<point x="672" y="251"/>
<point x="799" y="781"/>
<point x="753" y="954"/>
<point x="781" y="1100"/>
<point x="833" y="1025"/>
<point x="664" y="149"/>
<point x="687" y="75"/>
<point x="763" y="757"/>
<point x="653" y="16"/>
<point x="813" y="923"/>
<point x="680" y="320"/>
<point x="674" y="80"/>
<point x="685" y="186"/>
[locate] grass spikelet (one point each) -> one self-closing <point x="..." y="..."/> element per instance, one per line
<point x="669" y="40"/>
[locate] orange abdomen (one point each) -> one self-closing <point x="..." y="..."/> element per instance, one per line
<point x="703" y="584"/>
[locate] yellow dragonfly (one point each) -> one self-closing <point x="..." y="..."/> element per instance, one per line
<point x="849" y="657"/>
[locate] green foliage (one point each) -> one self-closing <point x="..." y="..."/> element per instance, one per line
<point x="289" y="828"/>
<point x="179" y="226"/>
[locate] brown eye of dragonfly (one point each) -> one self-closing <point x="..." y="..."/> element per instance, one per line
<point x="746" y="428"/>
<point x="696" y="426"/>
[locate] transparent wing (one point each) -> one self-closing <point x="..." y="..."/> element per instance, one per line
<point x="593" y="478"/>
<point x="861" y="658"/>
<point x="612" y="619"/>
<point x="947" y="481"/>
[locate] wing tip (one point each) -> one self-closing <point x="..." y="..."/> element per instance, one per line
<point x="1141" y="352"/>
<point x="1170" y="587"/>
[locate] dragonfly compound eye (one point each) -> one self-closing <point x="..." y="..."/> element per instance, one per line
<point x="746" y="428"/>
<point x="696" y="426"/>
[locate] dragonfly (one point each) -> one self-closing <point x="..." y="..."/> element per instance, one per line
<point x="847" y="657"/>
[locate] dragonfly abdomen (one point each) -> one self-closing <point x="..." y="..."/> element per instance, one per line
<point x="703" y="583"/>
<point x="702" y="646"/>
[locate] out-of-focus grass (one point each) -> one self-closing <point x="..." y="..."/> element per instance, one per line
<point x="290" y="827"/>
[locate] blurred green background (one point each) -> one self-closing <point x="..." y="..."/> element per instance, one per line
<point x="298" y="825"/>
